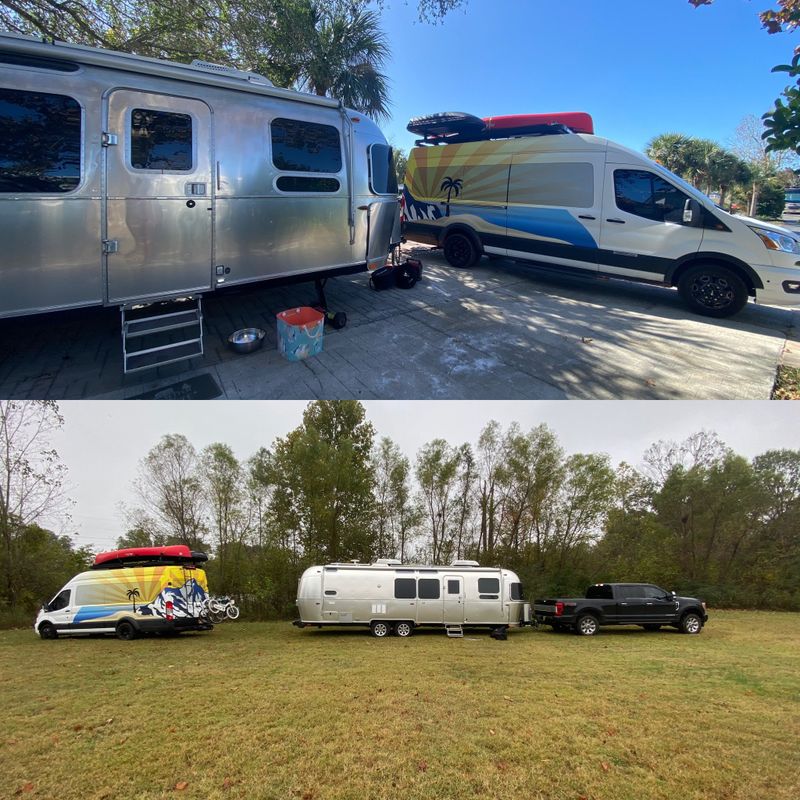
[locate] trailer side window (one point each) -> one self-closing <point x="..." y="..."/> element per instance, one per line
<point x="489" y="588"/>
<point x="305" y="146"/>
<point x="161" y="140"/>
<point x="382" y="175"/>
<point x="647" y="195"/>
<point x="516" y="591"/>
<point x="428" y="589"/>
<point x="453" y="587"/>
<point x="40" y="142"/>
<point x="405" y="588"/>
<point x="302" y="183"/>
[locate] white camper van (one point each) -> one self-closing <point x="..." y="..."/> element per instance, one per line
<point x="127" y="180"/>
<point x="544" y="189"/>
<point x="391" y="597"/>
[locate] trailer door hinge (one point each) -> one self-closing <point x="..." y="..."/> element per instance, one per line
<point x="108" y="139"/>
<point x="110" y="246"/>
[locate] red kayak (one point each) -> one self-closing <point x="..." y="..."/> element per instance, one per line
<point x="578" y="121"/>
<point x="173" y="552"/>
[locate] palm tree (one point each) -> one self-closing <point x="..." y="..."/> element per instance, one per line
<point x="671" y="150"/>
<point x="450" y="186"/>
<point x="132" y="595"/>
<point x="344" y="51"/>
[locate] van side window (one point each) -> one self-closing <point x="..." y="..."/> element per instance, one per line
<point x="61" y="600"/>
<point x="161" y="140"/>
<point x="569" y="184"/>
<point x="382" y="177"/>
<point x="428" y="589"/>
<point x="489" y="588"/>
<point x="405" y="588"/>
<point x="305" y="146"/>
<point x="646" y="194"/>
<point x="40" y="142"/>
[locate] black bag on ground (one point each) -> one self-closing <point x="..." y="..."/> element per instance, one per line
<point x="382" y="278"/>
<point x="408" y="273"/>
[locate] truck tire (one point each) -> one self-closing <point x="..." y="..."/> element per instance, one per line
<point x="47" y="631"/>
<point x="460" y="251"/>
<point x="126" y="631"/>
<point x="587" y="625"/>
<point x="713" y="290"/>
<point x="652" y="626"/>
<point x="380" y="629"/>
<point x="691" y="623"/>
<point x="404" y="629"/>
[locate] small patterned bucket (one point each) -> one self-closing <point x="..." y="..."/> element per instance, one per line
<point x="300" y="332"/>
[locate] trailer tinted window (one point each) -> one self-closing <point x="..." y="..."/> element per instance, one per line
<point x="40" y="142"/>
<point x="516" y="591"/>
<point x="382" y="175"/>
<point x="647" y="195"/>
<point x="428" y="589"/>
<point x="568" y="185"/>
<point x="453" y="587"/>
<point x="161" y="140"/>
<point x="301" y="183"/>
<point x="305" y="146"/>
<point x="489" y="588"/>
<point x="405" y="588"/>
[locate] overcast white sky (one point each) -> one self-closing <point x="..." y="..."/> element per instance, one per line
<point x="103" y="441"/>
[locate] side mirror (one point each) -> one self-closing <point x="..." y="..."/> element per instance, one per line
<point x="692" y="213"/>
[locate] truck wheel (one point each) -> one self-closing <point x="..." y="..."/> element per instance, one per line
<point x="712" y="290"/>
<point x="380" y="629"/>
<point x="691" y="623"/>
<point x="48" y="631"/>
<point x="404" y="629"/>
<point x="126" y="631"/>
<point x="652" y="627"/>
<point x="586" y="625"/>
<point x="460" y="251"/>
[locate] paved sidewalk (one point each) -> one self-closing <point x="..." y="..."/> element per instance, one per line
<point x="498" y="331"/>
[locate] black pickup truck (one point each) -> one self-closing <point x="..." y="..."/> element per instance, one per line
<point x="621" y="604"/>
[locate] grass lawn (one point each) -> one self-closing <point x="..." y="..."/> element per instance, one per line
<point x="256" y="710"/>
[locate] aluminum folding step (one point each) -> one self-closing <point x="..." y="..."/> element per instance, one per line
<point x="161" y="332"/>
<point x="454" y="631"/>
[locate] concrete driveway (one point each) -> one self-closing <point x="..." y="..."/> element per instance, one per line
<point x="499" y="331"/>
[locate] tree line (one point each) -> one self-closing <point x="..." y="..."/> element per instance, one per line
<point x="694" y="516"/>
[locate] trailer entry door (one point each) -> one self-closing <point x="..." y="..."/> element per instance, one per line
<point x="453" y="599"/>
<point x="158" y="199"/>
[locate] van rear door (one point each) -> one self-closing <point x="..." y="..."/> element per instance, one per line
<point x="554" y="204"/>
<point x="644" y="231"/>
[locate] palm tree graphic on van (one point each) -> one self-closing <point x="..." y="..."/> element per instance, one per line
<point x="132" y="595"/>
<point x="451" y="186"/>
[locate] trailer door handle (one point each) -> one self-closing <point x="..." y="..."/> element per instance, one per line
<point x="618" y="221"/>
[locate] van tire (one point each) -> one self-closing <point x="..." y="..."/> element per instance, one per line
<point x="460" y="250"/>
<point x="380" y="629"/>
<point x="403" y="629"/>
<point x="713" y="290"/>
<point x="126" y="631"/>
<point x="47" y="631"/>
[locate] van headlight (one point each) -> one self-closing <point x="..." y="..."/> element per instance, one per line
<point x="777" y="241"/>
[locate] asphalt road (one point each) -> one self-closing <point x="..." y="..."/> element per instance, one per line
<point x="500" y="330"/>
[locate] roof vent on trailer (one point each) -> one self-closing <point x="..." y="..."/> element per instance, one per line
<point x="388" y="562"/>
<point x="463" y="563"/>
<point x="231" y="72"/>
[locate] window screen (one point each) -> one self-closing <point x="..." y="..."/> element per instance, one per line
<point x="383" y="178"/>
<point x="40" y="142"/>
<point x="161" y="140"/>
<point x="428" y="589"/>
<point x="302" y="183"/>
<point x="647" y="195"/>
<point x="305" y="146"/>
<point x="569" y="184"/>
<point x="405" y="588"/>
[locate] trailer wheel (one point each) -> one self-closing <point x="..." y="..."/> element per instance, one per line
<point x="126" y="631"/>
<point x="404" y="629"/>
<point x="586" y="625"/>
<point x="380" y="629"/>
<point x="48" y="631"/>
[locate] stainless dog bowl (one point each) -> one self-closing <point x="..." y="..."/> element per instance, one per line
<point x="246" y="340"/>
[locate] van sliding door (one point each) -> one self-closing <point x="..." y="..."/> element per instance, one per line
<point x="554" y="203"/>
<point x="158" y="204"/>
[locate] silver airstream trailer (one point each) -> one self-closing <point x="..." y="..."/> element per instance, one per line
<point x="391" y="597"/>
<point x="127" y="180"/>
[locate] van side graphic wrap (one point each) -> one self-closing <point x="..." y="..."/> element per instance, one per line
<point x="185" y="601"/>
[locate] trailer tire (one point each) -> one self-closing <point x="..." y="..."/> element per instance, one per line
<point x="126" y="631"/>
<point x="403" y="629"/>
<point x="48" y="631"/>
<point x="380" y="629"/>
<point x="587" y="625"/>
<point x="691" y="623"/>
<point x="460" y="251"/>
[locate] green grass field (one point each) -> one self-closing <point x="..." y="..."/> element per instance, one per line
<point x="256" y="710"/>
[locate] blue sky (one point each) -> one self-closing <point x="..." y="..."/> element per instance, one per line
<point x="639" y="67"/>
